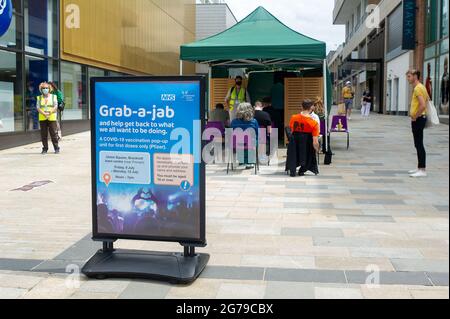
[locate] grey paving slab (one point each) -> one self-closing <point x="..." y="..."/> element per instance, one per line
<point x="367" y="164"/>
<point x="383" y="181"/>
<point x="333" y="177"/>
<point x="18" y="264"/>
<point x="371" y="192"/>
<point x="344" y="242"/>
<point x="380" y="201"/>
<point x="442" y="208"/>
<point x="438" y="279"/>
<point x="438" y="266"/>
<point x="81" y="250"/>
<point x="57" y="266"/>
<point x="303" y="186"/>
<point x="289" y="290"/>
<point x="145" y="290"/>
<point x="312" y="232"/>
<point x="234" y="273"/>
<point x="388" y="278"/>
<point x="365" y="219"/>
<point x="309" y="205"/>
<point x="305" y="275"/>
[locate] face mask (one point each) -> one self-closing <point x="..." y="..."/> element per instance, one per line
<point x="45" y="91"/>
<point x="239" y="83"/>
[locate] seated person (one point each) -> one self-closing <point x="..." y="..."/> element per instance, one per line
<point x="262" y="117"/>
<point x="304" y="142"/>
<point x="264" y="121"/>
<point x="245" y="120"/>
<point x="305" y="123"/>
<point x="219" y="114"/>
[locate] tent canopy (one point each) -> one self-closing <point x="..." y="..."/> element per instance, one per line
<point x="260" y="39"/>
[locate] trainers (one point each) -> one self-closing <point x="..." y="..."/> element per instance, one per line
<point x="57" y="151"/>
<point x="419" y="174"/>
<point x="44" y="152"/>
<point x="413" y="171"/>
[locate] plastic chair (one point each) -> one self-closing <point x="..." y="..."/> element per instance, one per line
<point x="243" y="142"/>
<point x="264" y="139"/>
<point x="215" y="125"/>
<point x="339" y="124"/>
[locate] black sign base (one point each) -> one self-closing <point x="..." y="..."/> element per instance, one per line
<point x="175" y="268"/>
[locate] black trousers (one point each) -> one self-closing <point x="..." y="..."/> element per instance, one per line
<point x="418" y="128"/>
<point x="46" y="127"/>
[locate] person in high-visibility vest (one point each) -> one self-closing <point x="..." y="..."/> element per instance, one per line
<point x="236" y="95"/>
<point x="47" y="106"/>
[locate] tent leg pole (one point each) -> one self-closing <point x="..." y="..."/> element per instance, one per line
<point x="209" y="88"/>
<point x="325" y="101"/>
<point x="181" y="67"/>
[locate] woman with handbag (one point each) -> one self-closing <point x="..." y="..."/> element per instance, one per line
<point x="418" y="114"/>
<point x="61" y="104"/>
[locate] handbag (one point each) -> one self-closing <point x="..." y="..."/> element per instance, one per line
<point x="432" y="115"/>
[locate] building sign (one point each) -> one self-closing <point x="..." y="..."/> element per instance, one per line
<point x="148" y="176"/>
<point x="409" y="25"/>
<point x="6" y="12"/>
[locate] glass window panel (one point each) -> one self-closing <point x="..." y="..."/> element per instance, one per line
<point x="443" y="87"/>
<point x="41" y="32"/>
<point x="11" y="92"/>
<point x="17" y="5"/>
<point x="13" y="37"/>
<point x="74" y="87"/>
<point x="37" y="70"/>
<point x="444" y="19"/>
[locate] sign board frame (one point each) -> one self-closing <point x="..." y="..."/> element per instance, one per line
<point x="97" y="236"/>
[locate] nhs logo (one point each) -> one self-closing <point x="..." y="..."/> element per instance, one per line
<point x="168" y="97"/>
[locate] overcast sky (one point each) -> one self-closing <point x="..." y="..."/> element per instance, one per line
<point x="313" y="18"/>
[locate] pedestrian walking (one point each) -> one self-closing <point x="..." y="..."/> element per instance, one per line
<point x="61" y="104"/>
<point x="47" y="107"/>
<point x="348" y="95"/>
<point x="418" y="114"/>
<point x="366" y="104"/>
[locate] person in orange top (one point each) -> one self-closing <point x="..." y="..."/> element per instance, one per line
<point x="305" y="123"/>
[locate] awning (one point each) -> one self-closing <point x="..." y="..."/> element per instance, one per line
<point x="260" y="39"/>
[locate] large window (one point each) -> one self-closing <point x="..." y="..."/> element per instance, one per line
<point x="395" y="30"/>
<point x="37" y="70"/>
<point x="11" y="105"/>
<point x="74" y="87"/>
<point x="432" y="21"/>
<point x="444" y="19"/>
<point x="41" y="30"/>
<point x="12" y="39"/>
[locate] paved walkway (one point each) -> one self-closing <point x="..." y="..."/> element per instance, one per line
<point x="270" y="236"/>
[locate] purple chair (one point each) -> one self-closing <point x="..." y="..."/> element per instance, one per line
<point x="339" y="124"/>
<point x="242" y="142"/>
<point x="215" y="125"/>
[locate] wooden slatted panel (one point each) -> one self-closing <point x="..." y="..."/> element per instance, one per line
<point x="219" y="90"/>
<point x="297" y="90"/>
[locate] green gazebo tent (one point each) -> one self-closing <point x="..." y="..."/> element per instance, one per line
<point x="260" y="41"/>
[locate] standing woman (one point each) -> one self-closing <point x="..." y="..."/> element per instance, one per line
<point x="366" y="103"/>
<point x="47" y="106"/>
<point x="61" y="104"/>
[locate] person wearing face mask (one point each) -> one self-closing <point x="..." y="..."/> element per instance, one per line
<point x="47" y="106"/>
<point x="236" y="95"/>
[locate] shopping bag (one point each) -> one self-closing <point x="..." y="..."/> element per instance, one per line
<point x="432" y="115"/>
<point x="341" y="109"/>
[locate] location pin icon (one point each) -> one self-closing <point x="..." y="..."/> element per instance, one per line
<point x="107" y="178"/>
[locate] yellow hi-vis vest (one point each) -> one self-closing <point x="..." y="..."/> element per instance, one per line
<point x="242" y="97"/>
<point x="47" y="107"/>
